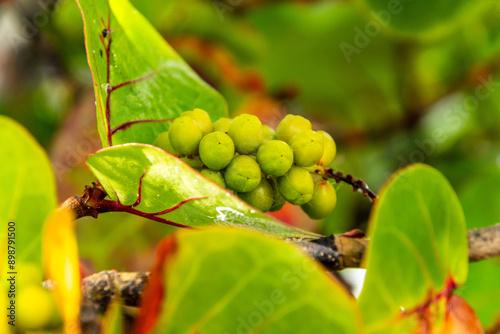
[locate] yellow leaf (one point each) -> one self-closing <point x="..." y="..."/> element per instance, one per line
<point x="60" y="260"/>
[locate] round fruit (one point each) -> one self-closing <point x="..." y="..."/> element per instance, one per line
<point x="278" y="199"/>
<point x="275" y="157"/>
<point x="268" y="133"/>
<point x="201" y="118"/>
<point x="322" y="202"/>
<point x="216" y="150"/>
<point x="222" y="124"/>
<point x="290" y="126"/>
<point x="296" y="186"/>
<point x="243" y="174"/>
<point x="246" y="132"/>
<point x="329" y="151"/>
<point x="307" y="148"/>
<point x="261" y="197"/>
<point x="214" y="176"/>
<point x="163" y="142"/>
<point x="35" y="307"/>
<point x="184" y="135"/>
<point x="193" y="161"/>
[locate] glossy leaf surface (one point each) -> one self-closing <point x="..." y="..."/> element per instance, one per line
<point x="417" y="253"/>
<point x="229" y="281"/>
<point x="139" y="80"/>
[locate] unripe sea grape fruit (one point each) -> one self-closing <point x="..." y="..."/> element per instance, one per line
<point x="184" y="135"/>
<point x="307" y="148"/>
<point x="214" y="176"/>
<point x="222" y="124"/>
<point x="275" y="157"/>
<point x="201" y="118"/>
<point x="261" y="197"/>
<point x="278" y="199"/>
<point x="193" y="161"/>
<point x="330" y="149"/>
<point x="243" y="174"/>
<point x="296" y="186"/>
<point x="246" y="132"/>
<point x="163" y="142"/>
<point x="268" y="133"/>
<point x="322" y="202"/>
<point x="216" y="150"/>
<point x="290" y="126"/>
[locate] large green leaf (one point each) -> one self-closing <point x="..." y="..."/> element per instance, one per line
<point x="409" y="16"/>
<point x="167" y="181"/>
<point x="138" y="77"/>
<point x="28" y="191"/>
<point x="418" y="249"/>
<point x="235" y="281"/>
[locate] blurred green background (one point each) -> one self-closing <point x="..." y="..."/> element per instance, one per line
<point x="394" y="82"/>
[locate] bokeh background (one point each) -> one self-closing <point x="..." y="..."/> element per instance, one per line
<point x="394" y="82"/>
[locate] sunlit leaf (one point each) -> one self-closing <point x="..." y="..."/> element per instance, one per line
<point x="138" y="77"/>
<point x="417" y="254"/>
<point x="231" y="280"/>
<point x="27" y="195"/>
<point x="167" y="182"/>
<point x="60" y="259"/>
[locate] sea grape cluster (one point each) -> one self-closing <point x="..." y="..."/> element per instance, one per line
<point x="264" y="167"/>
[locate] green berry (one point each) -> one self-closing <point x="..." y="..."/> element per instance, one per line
<point x="307" y="148"/>
<point x="201" y="118"/>
<point x="268" y="133"/>
<point x="278" y="199"/>
<point x="35" y="307"/>
<point x="246" y="132"/>
<point x="296" y="186"/>
<point x="261" y="197"/>
<point x="290" y="126"/>
<point x="163" y="142"/>
<point x="322" y="202"/>
<point x="222" y="124"/>
<point x="184" y="135"/>
<point x="216" y="150"/>
<point x="330" y="149"/>
<point x="243" y="174"/>
<point x="275" y="157"/>
<point x="192" y="161"/>
<point x="214" y="176"/>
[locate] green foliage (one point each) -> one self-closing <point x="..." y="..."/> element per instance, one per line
<point x="418" y="247"/>
<point x="219" y="281"/>
<point x="415" y="16"/>
<point x="166" y="182"/>
<point x="28" y="193"/>
<point x="162" y="83"/>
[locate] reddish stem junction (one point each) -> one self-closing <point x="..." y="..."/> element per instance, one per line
<point x="92" y="203"/>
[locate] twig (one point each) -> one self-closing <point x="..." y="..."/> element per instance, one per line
<point x="484" y="243"/>
<point x="357" y="185"/>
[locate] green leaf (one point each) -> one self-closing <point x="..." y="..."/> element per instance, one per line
<point x="28" y="193"/>
<point x="167" y="181"/>
<point x="418" y="248"/>
<point x="411" y="17"/>
<point x="113" y="320"/>
<point x="147" y="83"/>
<point x="235" y="281"/>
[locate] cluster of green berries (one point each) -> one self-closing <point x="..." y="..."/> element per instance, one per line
<point x="264" y="167"/>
